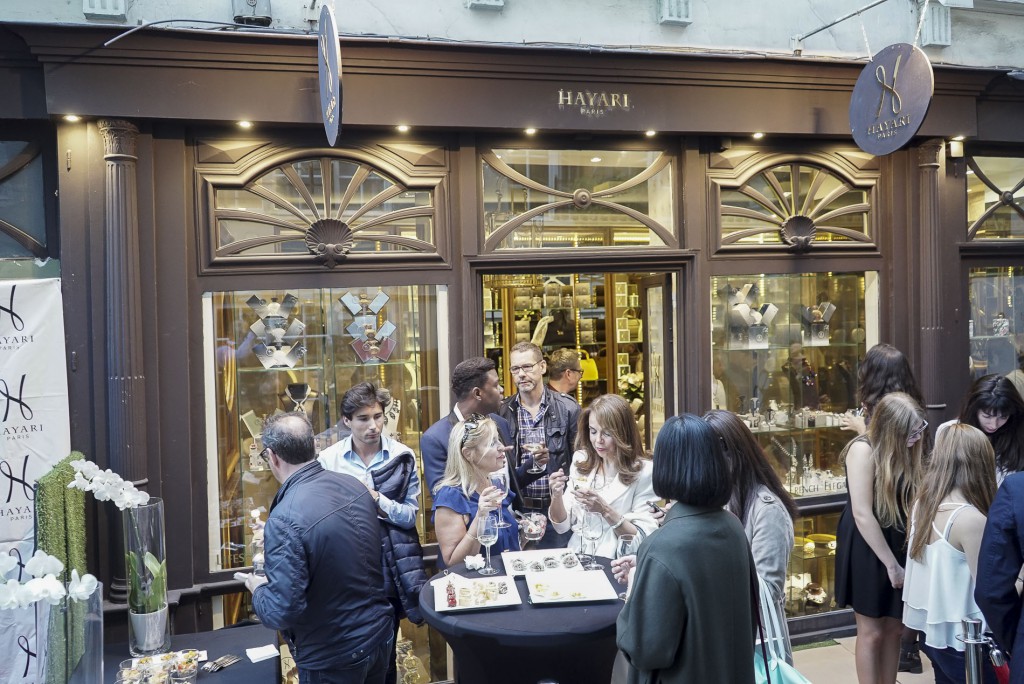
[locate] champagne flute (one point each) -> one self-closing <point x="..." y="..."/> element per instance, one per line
<point x="625" y="546"/>
<point x="578" y="520"/>
<point x="499" y="480"/>
<point x="593" y="529"/>
<point x="487" y="537"/>
<point x="533" y="441"/>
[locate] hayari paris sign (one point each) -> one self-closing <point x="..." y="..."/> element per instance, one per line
<point x="329" y="71"/>
<point x="891" y="99"/>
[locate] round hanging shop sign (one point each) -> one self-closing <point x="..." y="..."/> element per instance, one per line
<point x="329" y="71"/>
<point x="891" y="99"/>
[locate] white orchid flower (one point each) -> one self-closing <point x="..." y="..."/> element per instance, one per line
<point x="41" y="563"/>
<point x="48" y="589"/>
<point x="81" y="588"/>
<point x="7" y="563"/>
<point x="11" y="595"/>
<point x="139" y="498"/>
<point x="80" y="482"/>
<point x="86" y="467"/>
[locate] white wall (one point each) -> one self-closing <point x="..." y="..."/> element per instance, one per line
<point x="988" y="35"/>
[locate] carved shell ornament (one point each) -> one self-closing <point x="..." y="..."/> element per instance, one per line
<point x="798" y="232"/>
<point x="329" y="240"/>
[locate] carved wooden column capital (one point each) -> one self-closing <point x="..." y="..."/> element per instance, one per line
<point x="929" y="153"/>
<point x="119" y="137"/>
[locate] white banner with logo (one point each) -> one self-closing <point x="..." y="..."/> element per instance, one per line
<point x="36" y="434"/>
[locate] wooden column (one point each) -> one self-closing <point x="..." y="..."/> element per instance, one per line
<point x="126" y="396"/>
<point x="929" y="237"/>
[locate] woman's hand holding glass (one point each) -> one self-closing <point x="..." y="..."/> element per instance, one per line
<point x="591" y="501"/>
<point x="490" y="501"/>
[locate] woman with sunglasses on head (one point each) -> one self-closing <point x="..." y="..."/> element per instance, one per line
<point x="465" y="497"/>
<point x="763" y="506"/>
<point x="947" y="523"/>
<point x="610" y="475"/>
<point x="995" y="407"/>
<point x="882" y="472"/>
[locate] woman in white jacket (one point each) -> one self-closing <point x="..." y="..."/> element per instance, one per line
<point x="610" y="475"/>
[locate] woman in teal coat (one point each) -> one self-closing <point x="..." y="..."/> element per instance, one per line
<point x="690" y="596"/>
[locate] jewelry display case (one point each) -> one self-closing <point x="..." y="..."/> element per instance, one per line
<point x="996" y="325"/>
<point x="786" y="349"/>
<point x="301" y="350"/>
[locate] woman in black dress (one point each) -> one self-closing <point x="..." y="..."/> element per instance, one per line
<point x="882" y="471"/>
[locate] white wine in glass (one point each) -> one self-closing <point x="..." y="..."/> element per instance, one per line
<point x="499" y="480"/>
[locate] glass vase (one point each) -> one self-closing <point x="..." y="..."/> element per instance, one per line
<point x="69" y="641"/>
<point x="149" y="630"/>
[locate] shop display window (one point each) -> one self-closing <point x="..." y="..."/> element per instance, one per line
<point x="795" y="204"/>
<point x="995" y="198"/>
<point x="785" y="351"/>
<point x="274" y="351"/>
<point x="810" y="577"/>
<point x="996" y="326"/>
<point x="607" y="318"/>
<point x="577" y="198"/>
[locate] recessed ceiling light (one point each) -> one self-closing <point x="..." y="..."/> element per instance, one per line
<point x="402" y="129"/>
<point x="757" y="136"/>
<point x="530" y="131"/>
<point x="650" y="134"/>
<point x="957" y="138"/>
<point x="595" y="159"/>
<point x="245" y="124"/>
<point x="72" y="118"/>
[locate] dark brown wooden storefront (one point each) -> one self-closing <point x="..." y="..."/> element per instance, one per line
<point x="185" y="90"/>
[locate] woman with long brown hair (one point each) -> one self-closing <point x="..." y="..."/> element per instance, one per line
<point x="947" y="523"/>
<point x="882" y="473"/>
<point x="762" y="504"/>
<point x="610" y="474"/>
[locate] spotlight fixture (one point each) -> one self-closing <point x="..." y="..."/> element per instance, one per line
<point x="650" y="133"/>
<point x="530" y="131"/>
<point x="402" y="128"/>
<point x="595" y="160"/>
<point x="72" y="118"/>
<point x="956" y="147"/>
<point x="757" y="136"/>
<point x="1016" y="74"/>
<point x="245" y="124"/>
<point x="957" y="138"/>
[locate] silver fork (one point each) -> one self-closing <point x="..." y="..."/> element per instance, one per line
<point x="214" y="665"/>
<point x="224" y="661"/>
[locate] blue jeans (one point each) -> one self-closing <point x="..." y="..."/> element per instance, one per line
<point x="949" y="665"/>
<point x="370" y="670"/>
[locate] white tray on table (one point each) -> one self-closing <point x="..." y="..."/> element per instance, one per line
<point x="541" y="560"/>
<point x="483" y="592"/>
<point x="566" y="586"/>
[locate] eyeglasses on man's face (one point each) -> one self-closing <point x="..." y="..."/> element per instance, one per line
<point x="524" y="368"/>
<point x="264" y="456"/>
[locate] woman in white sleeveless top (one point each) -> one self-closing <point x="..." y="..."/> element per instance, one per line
<point x="946" y="529"/>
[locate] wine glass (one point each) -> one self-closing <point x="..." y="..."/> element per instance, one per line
<point x="499" y="480"/>
<point x="625" y="546"/>
<point x="593" y="529"/>
<point x="487" y="537"/>
<point x="532" y="440"/>
<point x="578" y="519"/>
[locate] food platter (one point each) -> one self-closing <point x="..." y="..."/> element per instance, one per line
<point x="457" y="593"/>
<point x="567" y="586"/>
<point x="540" y="560"/>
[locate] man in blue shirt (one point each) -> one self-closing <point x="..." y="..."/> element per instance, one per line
<point x="388" y="470"/>
<point x="324" y="583"/>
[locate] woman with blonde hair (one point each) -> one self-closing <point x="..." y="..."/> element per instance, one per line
<point x="465" y="495"/>
<point x="947" y="523"/>
<point x="882" y="473"/>
<point x="610" y="475"/>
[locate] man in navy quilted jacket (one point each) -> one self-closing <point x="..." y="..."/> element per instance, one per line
<point x="324" y="585"/>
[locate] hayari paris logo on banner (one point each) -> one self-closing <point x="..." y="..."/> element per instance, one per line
<point x="34" y="435"/>
<point x="891" y="99"/>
